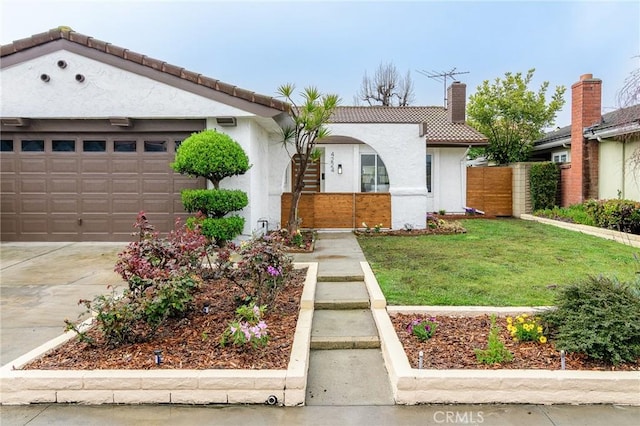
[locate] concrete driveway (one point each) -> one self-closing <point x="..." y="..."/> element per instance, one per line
<point x="40" y="285"/>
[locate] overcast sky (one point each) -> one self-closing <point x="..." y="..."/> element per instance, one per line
<point x="261" y="45"/>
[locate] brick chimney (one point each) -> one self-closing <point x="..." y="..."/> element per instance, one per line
<point x="586" y="110"/>
<point x="456" y="102"/>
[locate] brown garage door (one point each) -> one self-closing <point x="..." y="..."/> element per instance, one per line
<point x="88" y="187"/>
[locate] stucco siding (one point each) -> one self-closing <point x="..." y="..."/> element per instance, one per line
<point x="106" y="91"/>
<point x="617" y="175"/>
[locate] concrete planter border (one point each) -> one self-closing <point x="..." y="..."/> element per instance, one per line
<point x="167" y="386"/>
<point x="412" y="386"/>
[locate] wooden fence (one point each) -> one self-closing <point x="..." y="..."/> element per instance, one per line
<point x="327" y="210"/>
<point x="490" y="189"/>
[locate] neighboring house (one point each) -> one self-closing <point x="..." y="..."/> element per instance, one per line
<point x="89" y="129"/>
<point x="595" y="150"/>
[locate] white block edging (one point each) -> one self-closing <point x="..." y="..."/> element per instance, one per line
<point x="218" y="386"/>
<point x="608" y="234"/>
<point x="465" y="386"/>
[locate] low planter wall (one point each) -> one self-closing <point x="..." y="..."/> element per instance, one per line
<point x="412" y="386"/>
<point x="609" y="234"/>
<point x="282" y="387"/>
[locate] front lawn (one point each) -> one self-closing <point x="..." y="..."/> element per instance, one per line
<point x="504" y="262"/>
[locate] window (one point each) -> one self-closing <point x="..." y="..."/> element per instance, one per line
<point x="124" y="146"/>
<point x="94" y="146"/>
<point x="177" y="144"/>
<point x="374" y="176"/>
<point x="63" y="146"/>
<point x="429" y="173"/>
<point x="560" y="157"/>
<point x="32" y="146"/>
<point x="155" y="146"/>
<point x="6" y="145"/>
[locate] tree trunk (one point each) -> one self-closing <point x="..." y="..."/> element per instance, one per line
<point x="292" y="226"/>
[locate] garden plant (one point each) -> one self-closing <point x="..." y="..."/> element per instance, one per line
<point x="214" y="156"/>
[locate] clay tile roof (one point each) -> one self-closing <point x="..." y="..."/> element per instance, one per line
<point x="108" y="48"/>
<point x="439" y="129"/>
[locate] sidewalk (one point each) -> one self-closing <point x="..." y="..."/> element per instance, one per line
<point x="40" y="283"/>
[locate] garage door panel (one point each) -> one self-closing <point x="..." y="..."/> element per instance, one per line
<point x="95" y="224"/>
<point x="61" y="185"/>
<point x="95" y="165"/>
<point x="34" y="224"/>
<point x="7" y="184"/>
<point x="184" y="182"/>
<point x="8" y="163"/>
<point x="158" y="166"/>
<point x="9" y="223"/>
<point x="67" y="224"/>
<point x="64" y="165"/>
<point x="156" y="186"/>
<point x="95" y="205"/>
<point x="125" y="166"/>
<point x="32" y="164"/>
<point x="64" y="205"/>
<point x="33" y="185"/>
<point x="157" y="205"/>
<point x="95" y="185"/>
<point x="33" y="205"/>
<point x="8" y="204"/>
<point x="126" y="206"/>
<point x="125" y="186"/>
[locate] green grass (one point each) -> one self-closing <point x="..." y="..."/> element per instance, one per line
<point x="505" y="262"/>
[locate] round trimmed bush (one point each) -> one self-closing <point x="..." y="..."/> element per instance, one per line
<point x="214" y="203"/>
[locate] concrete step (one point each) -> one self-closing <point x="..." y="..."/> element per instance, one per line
<point x="348" y="377"/>
<point x="344" y="329"/>
<point x="328" y="277"/>
<point x="341" y="295"/>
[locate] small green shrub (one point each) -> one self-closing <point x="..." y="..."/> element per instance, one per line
<point x="526" y="329"/>
<point x="212" y="155"/>
<point x="168" y="299"/>
<point x="544" y="178"/>
<point x="221" y="229"/>
<point x="496" y="352"/>
<point x="214" y="203"/>
<point x="599" y="317"/>
<point x="620" y="215"/>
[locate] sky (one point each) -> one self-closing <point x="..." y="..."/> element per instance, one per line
<point x="261" y="45"/>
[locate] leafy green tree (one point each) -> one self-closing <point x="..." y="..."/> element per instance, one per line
<point x="300" y="139"/>
<point x="512" y="116"/>
<point x="214" y="156"/>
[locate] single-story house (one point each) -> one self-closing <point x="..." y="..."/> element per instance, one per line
<point x="596" y="149"/>
<point x="89" y="130"/>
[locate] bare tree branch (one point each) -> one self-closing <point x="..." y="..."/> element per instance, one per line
<point x="386" y="88"/>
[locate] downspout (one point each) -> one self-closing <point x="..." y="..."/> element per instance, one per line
<point x="463" y="177"/>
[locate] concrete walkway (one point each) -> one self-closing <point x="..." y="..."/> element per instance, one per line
<point x="40" y="284"/>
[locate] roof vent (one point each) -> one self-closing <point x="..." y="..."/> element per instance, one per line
<point x="15" y="122"/>
<point x="121" y="121"/>
<point x="226" y="121"/>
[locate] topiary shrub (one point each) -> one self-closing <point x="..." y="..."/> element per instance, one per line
<point x="218" y="228"/>
<point x="599" y="317"/>
<point x="214" y="203"/>
<point x="214" y="156"/>
<point x="544" y="178"/>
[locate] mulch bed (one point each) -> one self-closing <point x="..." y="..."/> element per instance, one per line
<point x="192" y="342"/>
<point x="453" y="344"/>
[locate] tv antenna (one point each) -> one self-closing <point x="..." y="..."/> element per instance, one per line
<point x="442" y="77"/>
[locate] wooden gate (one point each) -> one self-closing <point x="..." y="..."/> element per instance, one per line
<point x="329" y="210"/>
<point x="490" y="189"/>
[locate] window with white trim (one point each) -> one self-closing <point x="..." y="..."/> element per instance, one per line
<point x="560" y="157"/>
<point x="429" y="173"/>
<point x="373" y="174"/>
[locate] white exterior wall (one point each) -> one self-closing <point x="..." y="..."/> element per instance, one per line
<point x="449" y="180"/>
<point x="403" y="152"/>
<point x="107" y="91"/>
<point x="616" y="172"/>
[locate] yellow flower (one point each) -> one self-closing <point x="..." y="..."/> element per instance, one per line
<point x="542" y="339"/>
<point x="524" y="315"/>
<point x="539" y="329"/>
<point x="520" y="320"/>
<point x="509" y="320"/>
